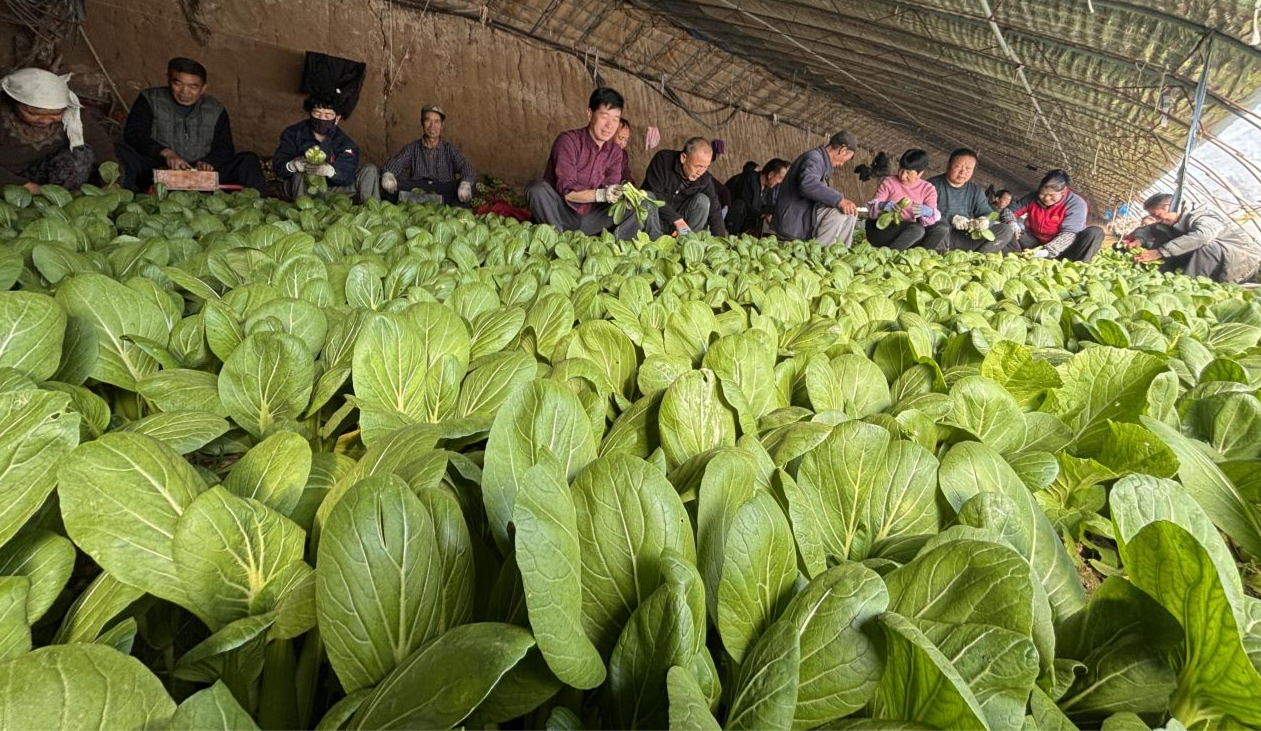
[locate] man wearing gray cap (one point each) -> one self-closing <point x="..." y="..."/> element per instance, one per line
<point x="431" y="164"/>
<point x="808" y="207"/>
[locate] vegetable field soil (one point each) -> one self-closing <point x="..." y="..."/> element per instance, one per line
<point x="271" y="465"/>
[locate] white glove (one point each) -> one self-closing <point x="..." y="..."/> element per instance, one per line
<point x="389" y="183"/>
<point x="980" y="224"/>
<point x="323" y="170"/>
<point x="960" y="223"/>
<point x="465" y="191"/>
<point x="609" y="194"/>
<point x="296" y="165"/>
<point x="1041" y="254"/>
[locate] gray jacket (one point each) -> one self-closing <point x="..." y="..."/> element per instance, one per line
<point x="1200" y="227"/>
<point x="803" y="190"/>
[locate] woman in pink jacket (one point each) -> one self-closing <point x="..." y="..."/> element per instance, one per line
<point x="916" y="217"/>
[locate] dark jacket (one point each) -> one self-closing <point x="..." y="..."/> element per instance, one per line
<point x="141" y="134"/>
<point x="665" y="180"/>
<point x="748" y="203"/>
<point x="805" y="189"/>
<point x="20" y="156"/>
<point x="296" y="139"/>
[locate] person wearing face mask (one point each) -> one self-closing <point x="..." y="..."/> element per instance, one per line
<point x="583" y="176"/>
<point x="753" y="195"/>
<point x="45" y="138"/>
<point x="181" y="127"/>
<point x="681" y="180"/>
<point x="431" y="164"/>
<point x="962" y="204"/>
<point x="913" y="221"/>
<point x="1055" y="222"/>
<point x="343" y="169"/>
<point x="807" y="206"/>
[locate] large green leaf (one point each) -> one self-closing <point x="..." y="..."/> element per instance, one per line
<point x="765" y="690"/>
<point x="109" y="691"/>
<point x="759" y="568"/>
<point x="182" y="431"/>
<point x="657" y="637"/>
<point x="227" y="549"/>
<point x="970" y="469"/>
<point x="689" y="710"/>
<point x="441" y="683"/>
<point x="112" y="312"/>
<point x="745" y="366"/>
<point x="274" y="472"/>
<point x="866" y="487"/>
<point x="628" y="514"/>
<point x="729" y="481"/>
<point x="37" y="430"/>
<point x="986" y="411"/>
<point x="1215" y="677"/>
<point x="121" y="498"/>
<point x="46" y="560"/>
<point x="542" y="417"/>
<point x="98" y="605"/>
<point x="32" y="327"/>
<point x="1103" y="385"/>
<point x="183" y="390"/>
<point x="840" y="664"/>
<point x="920" y="685"/>
<point x="212" y="709"/>
<point x="15" y="627"/>
<point x="848" y="383"/>
<point x="1216" y="494"/>
<point x="267" y="379"/>
<point x="377" y="581"/>
<point x="548" y="557"/>
<point x="693" y="419"/>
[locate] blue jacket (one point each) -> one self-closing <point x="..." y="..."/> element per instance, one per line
<point x="296" y="139"/>
<point x="805" y="188"/>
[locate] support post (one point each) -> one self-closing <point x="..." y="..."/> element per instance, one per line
<point x="1194" y="129"/>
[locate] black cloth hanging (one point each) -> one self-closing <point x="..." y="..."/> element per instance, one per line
<point x="330" y="76"/>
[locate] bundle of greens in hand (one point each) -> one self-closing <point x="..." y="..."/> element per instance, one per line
<point x="888" y="218"/>
<point x="315" y="184"/>
<point x="977" y="228"/>
<point x="636" y="200"/>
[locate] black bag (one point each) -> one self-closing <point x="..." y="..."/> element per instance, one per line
<point x="337" y="78"/>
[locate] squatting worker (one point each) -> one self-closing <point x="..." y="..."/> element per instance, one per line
<point x="808" y="207"/>
<point x="181" y="127"/>
<point x="45" y="136"/>
<point x="431" y="164"/>
<point x="583" y="176"/>
<point x="1197" y="242"/>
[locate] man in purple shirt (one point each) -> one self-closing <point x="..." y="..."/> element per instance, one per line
<point x="583" y="177"/>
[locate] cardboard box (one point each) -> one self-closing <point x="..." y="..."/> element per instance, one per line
<point x="187" y="179"/>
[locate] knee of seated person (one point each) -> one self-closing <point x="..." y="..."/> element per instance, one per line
<point x="536" y="187"/>
<point x="368" y="168"/>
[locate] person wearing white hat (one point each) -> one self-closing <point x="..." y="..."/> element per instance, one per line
<point x="43" y="136"/>
<point x="431" y="164"/>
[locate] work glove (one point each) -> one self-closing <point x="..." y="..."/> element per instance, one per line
<point x="465" y="191"/>
<point x="296" y="165"/>
<point x="980" y="224"/>
<point x="608" y="194"/>
<point x="682" y="228"/>
<point x="389" y="183"/>
<point x="324" y="170"/>
<point x="888" y="206"/>
<point x="925" y="211"/>
<point x="961" y="223"/>
<point x="1041" y="254"/>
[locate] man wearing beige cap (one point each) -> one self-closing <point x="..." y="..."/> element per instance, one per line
<point x="430" y="165"/>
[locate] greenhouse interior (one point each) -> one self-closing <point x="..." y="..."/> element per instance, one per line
<point x="636" y="364"/>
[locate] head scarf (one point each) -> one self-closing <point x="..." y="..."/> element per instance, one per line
<point x="46" y="90"/>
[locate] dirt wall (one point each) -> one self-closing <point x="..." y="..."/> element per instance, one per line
<point x="506" y="97"/>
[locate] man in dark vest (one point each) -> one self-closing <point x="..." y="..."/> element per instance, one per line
<point x="181" y="127"/>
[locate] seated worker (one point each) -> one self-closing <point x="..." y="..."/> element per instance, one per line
<point x="320" y="129"/>
<point x="181" y="127"/>
<point x="583" y="176"/>
<point x="431" y="164"/>
<point x="45" y="138"/>
<point x="1199" y="243"/>
<point x="912" y="225"/>
<point x="681" y="179"/>
<point x="752" y="195"/>
<point x="960" y="202"/>
<point x="1055" y="222"/>
<point x="807" y="206"/>
<point x="622" y="139"/>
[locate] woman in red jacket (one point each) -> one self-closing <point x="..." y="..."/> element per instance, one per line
<point x="1055" y="222"/>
